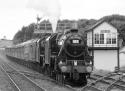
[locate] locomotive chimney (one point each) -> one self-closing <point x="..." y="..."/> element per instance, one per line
<point x="75" y="25"/>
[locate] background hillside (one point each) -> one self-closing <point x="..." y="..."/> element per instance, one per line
<point x="26" y="32"/>
<point x="5" y="43"/>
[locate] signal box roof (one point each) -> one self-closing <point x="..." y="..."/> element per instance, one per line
<point x="97" y="24"/>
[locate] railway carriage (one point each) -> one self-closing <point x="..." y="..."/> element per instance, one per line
<point x="63" y="56"/>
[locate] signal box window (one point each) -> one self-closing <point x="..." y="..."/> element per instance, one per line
<point x="108" y="39"/>
<point x="114" y="38"/>
<point x="96" y="38"/>
<point x="101" y="38"/>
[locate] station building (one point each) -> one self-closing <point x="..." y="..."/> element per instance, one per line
<point x="102" y="40"/>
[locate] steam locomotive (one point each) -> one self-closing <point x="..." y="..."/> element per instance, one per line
<point x="63" y="56"/>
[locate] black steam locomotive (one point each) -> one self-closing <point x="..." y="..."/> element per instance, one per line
<point x="63" y="56"/>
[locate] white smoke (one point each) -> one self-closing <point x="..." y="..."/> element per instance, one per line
<point x="49" y="8"/>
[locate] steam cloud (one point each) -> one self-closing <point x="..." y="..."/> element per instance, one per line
<point x="49" y="8"/>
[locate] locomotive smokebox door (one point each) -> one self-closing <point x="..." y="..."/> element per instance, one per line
<point x="47" y="51"/>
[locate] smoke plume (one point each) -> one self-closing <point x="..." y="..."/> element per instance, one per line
<point x="48" y="8"/>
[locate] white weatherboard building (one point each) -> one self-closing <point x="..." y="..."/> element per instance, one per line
<point x="102" y="40"/>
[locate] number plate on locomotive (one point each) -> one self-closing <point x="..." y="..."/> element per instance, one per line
<point x="75" y="41"/>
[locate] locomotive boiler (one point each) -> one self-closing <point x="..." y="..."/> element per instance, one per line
<point x="62" y="56"/>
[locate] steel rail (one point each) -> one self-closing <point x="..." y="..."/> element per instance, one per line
<point x="24" y="77"/>
<point x="15" y="85"/>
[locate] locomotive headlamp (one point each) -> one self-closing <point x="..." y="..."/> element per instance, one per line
<point x="60" y="42"/>
<point x="63" y="68"/>
<point x="89" y="69"/>
<point x="60" y="63"/>
<point x="75" y="63"/>
<point x="90" y="62"/>
<point x="87" y="63"/>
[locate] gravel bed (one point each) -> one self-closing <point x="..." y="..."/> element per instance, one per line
<point x="101" y="85"/>
<point x="48" y="85"/>
<point x="43" y="82"/>
<point x="115" y="88"/>
<point x="90" y="89"/>
<point x="21" y="81"/>
<point x="5" y="83"/>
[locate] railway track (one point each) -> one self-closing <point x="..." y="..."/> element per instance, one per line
<point x="44" y="81"/>
<point x="13" y="84"/>
<point x="20" y="81"/>
<point x="105" y="83"/>
<point x="41" y="77"/>
<point x="96" y="82"/>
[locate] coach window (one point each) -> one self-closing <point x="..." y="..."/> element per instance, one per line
<point x="101" y="38"/>
<point x="108" y="38"/>
<point x="114" y="38"/>
<point x="96" y="38"/>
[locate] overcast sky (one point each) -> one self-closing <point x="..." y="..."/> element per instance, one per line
<point x="14" y="13"/>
